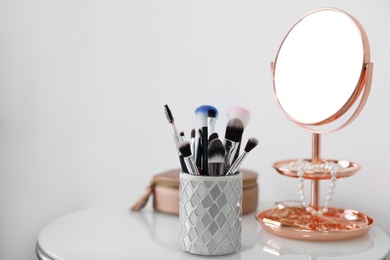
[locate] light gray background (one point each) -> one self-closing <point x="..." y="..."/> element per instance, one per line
<point x="83" y="84"/>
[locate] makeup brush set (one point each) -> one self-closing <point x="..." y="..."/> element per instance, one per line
<point x="205" y="153"/>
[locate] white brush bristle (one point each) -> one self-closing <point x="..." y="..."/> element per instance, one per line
<point x="216" y="151"/>
<point x="202" y="114"/>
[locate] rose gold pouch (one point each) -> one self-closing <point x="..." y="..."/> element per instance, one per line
<point x="165" y="190"/>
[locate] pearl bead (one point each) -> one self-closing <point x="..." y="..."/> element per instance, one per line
<point x="301" y="166"/>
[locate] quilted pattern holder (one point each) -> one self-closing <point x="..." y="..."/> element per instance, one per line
<point x="210" y="214"/>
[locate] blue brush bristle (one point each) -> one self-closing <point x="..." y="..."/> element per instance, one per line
<point x="204" y="110"/>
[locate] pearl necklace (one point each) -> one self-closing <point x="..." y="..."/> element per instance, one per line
<point x="301" y="166"/>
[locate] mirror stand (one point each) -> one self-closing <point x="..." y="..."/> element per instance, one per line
<point x="315" y="183"/>
<point x="314" y="222"/>
<point x="305" y="78"/>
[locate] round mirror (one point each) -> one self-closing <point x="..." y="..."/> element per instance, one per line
<point x="321" y="68"/>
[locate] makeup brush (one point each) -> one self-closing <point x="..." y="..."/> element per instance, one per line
<point x="176" y="137"/>
<point x="252" y="143"/>
<point x="241" y="113"/>
<point x="233" y="135"/>
<point x="185" y="149"/>
<point x="216" y="157"/>
<point x="202" y="113"/>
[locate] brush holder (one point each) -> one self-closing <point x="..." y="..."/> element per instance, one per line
<point x="210" y="214"/>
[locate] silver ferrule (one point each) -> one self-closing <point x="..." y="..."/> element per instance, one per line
<point x="211" y="125"/>
<point x="216" y="169"/>
<point x="191" y="167"/>
<point x="192" y="145"/>
<point x="231" y="150"/>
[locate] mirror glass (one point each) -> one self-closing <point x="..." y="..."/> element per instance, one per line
<point x="320" y="66"/>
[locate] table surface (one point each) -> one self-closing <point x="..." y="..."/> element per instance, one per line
<point x="114" y="232"/>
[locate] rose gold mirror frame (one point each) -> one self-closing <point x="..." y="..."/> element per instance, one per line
<point x="364" y="82"/>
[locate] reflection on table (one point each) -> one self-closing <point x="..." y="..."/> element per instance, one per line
<point x="113" y="232"/>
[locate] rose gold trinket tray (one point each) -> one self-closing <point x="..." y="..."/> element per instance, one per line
<point x="347" y="169"/>
<point x="295" y="223"/>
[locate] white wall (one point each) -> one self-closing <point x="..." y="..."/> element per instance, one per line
<point x="83" y="84"/>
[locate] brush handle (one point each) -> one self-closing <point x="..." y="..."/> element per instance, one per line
<point x="205" y="141"/>
<point x="198" y="154"/>
<point x="238" y="149"/>
<point x="237" y="163"/>
<point x="183" y="165"/>
<point x="191" y="167"/>
<point x="216" y="169"/>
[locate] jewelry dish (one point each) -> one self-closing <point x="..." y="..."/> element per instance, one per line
<point x="294" y="222"/>
<point x="346" y="169"/>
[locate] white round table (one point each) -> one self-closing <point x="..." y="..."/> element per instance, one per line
<point x="114" y="232"/>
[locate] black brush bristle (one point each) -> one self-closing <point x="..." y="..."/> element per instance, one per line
<point x="212" y="113"/>
<point x="184" y="148"/>
<point x="216" y="151"/>
<point x="234" y="130"/>
<point x="213" y="136"/>
<point x="252" y="143"/>
<point x="193" y="132"/>
<point x="168" y="114"/>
